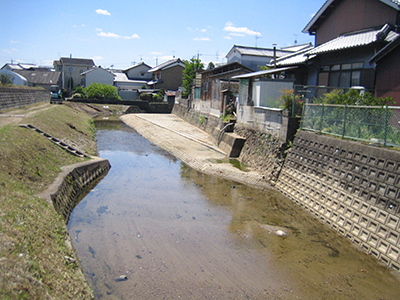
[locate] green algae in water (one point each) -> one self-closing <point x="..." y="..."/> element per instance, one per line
<point x="234" y="162"/>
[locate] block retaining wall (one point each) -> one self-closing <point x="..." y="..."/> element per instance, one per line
<point x="73" y="183"/>
<point x="352" y="187"/>
<point x="15" y="97"/>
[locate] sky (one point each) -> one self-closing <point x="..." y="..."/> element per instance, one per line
<point x="118" y="34"/>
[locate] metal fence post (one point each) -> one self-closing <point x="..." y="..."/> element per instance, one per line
<point x="322" y="118"/>
<point x="344" y="121"/>
<point x="386" y="125"/>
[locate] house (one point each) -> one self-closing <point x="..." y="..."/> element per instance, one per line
<point x="218" y="87"/>
<point x="40" y="78"/>
<point x="128" y="88"/>
<point x="254" y="57"/>
<point x="138" y="72"/>
<point x="19" y="66"/>
<point x="356" y="45"/>
<point x="168" y="75"/>
<point x="96" y="75"/>
<point x="71" y="69"/>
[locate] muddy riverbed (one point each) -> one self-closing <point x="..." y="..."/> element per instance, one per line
<point x="156" y="229"/>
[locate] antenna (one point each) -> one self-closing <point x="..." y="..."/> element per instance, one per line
<point x="173" y="53"/>
<point x="257" y="37"/>
<point x="295" y="40"/>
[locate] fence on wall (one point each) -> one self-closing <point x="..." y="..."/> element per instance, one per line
<point x="373" y="124"/>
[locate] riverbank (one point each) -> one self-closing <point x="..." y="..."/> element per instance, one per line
<point x="37" y="260"/>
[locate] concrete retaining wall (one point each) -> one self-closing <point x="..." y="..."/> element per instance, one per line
<point x="73" y="183"/>
<point x="144" y="106"/>
<point x="15" y="96"/>
<point x="352" y="187"/>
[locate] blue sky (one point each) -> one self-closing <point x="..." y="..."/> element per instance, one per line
<point x="123" y="32"/>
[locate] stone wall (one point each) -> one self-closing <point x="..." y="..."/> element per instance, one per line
<point x="352" y="187"/>
<point x="73" y="183"/>
<point x="17" y="96"/>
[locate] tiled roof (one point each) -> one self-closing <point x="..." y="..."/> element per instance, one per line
<point x="353" y="40"/>
<point x="75" y="61"/>
<point x="40" y="77"/>
<point x="167" y="64"/>
<point x="293" y="59"/>
<point x="255" y="51"/>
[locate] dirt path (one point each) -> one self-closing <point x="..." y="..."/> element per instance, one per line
<point x="191" y="145"/>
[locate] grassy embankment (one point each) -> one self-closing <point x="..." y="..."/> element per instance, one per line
<point x="34" y="248"/>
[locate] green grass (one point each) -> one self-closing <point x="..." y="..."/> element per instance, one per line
<point x="33" y="237"/>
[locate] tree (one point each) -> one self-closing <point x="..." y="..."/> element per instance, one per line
<point x="210" y="66"/>
<point x="191" y="67"/>
<point x="101" y="91"/>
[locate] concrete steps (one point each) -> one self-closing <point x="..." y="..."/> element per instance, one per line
<point x="56" y="141"/>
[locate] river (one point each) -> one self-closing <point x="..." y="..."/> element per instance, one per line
<point x="154" y="228"/>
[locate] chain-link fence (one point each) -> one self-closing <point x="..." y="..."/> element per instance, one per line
<point x="373" y="124"/>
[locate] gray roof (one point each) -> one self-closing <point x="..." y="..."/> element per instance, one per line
<point x="40" y="77"/>
<point x="167" y="64"/>
<point x="256" y="51"/>
<point x="75" y="61"/>
<point x="346" y="41"/>
<point x="327" y="6"/>
<point x="353" y="40"/>
<point x="136" y="66"/>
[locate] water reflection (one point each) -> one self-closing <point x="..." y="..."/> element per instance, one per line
<point x="156" y="229"/>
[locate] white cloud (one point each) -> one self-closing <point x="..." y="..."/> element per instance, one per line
<point x="10" y="50"/>
<point x="103" y="12"/>
<point x="236" y="34"/>
<point x="116" y="36"/>
<point x="156" y="53"/>
<point x="227" y="37"/>
<point x="240" y="30"/>
<point x="15" y="42"/>
<point x="201" y="39"/>
<point x="98" y="58"/>
<point x="203" y="30"/>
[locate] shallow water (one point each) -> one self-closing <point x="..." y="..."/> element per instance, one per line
<point x="154" y="228"/>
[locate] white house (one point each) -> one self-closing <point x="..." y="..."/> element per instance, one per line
<point x="97" y="75"/>
<point x="138" y="72"/>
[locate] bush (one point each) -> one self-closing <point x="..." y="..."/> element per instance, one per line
<point x="145" y="97"/>
<point x="287" y="102"/>
<point x="101" y="91"/>
<point x="6" y="79"/>
<point x="157" y="98"/>
<point x="79" y="92"/>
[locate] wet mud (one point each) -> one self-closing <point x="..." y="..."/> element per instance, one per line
<point x="154" y="228"/>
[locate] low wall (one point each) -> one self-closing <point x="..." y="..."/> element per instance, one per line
<point x="144" y="106"/>
<point x="352" y="187"/>
<point x="73" y="183"/>
<point x="17" y="96"/>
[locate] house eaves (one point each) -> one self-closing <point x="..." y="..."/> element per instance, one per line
<point x="329" y="5"/>
<point x="386" y="50"/>
<point x="262" y="73"/>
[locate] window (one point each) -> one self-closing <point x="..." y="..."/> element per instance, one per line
<point x="343" y="75"/>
